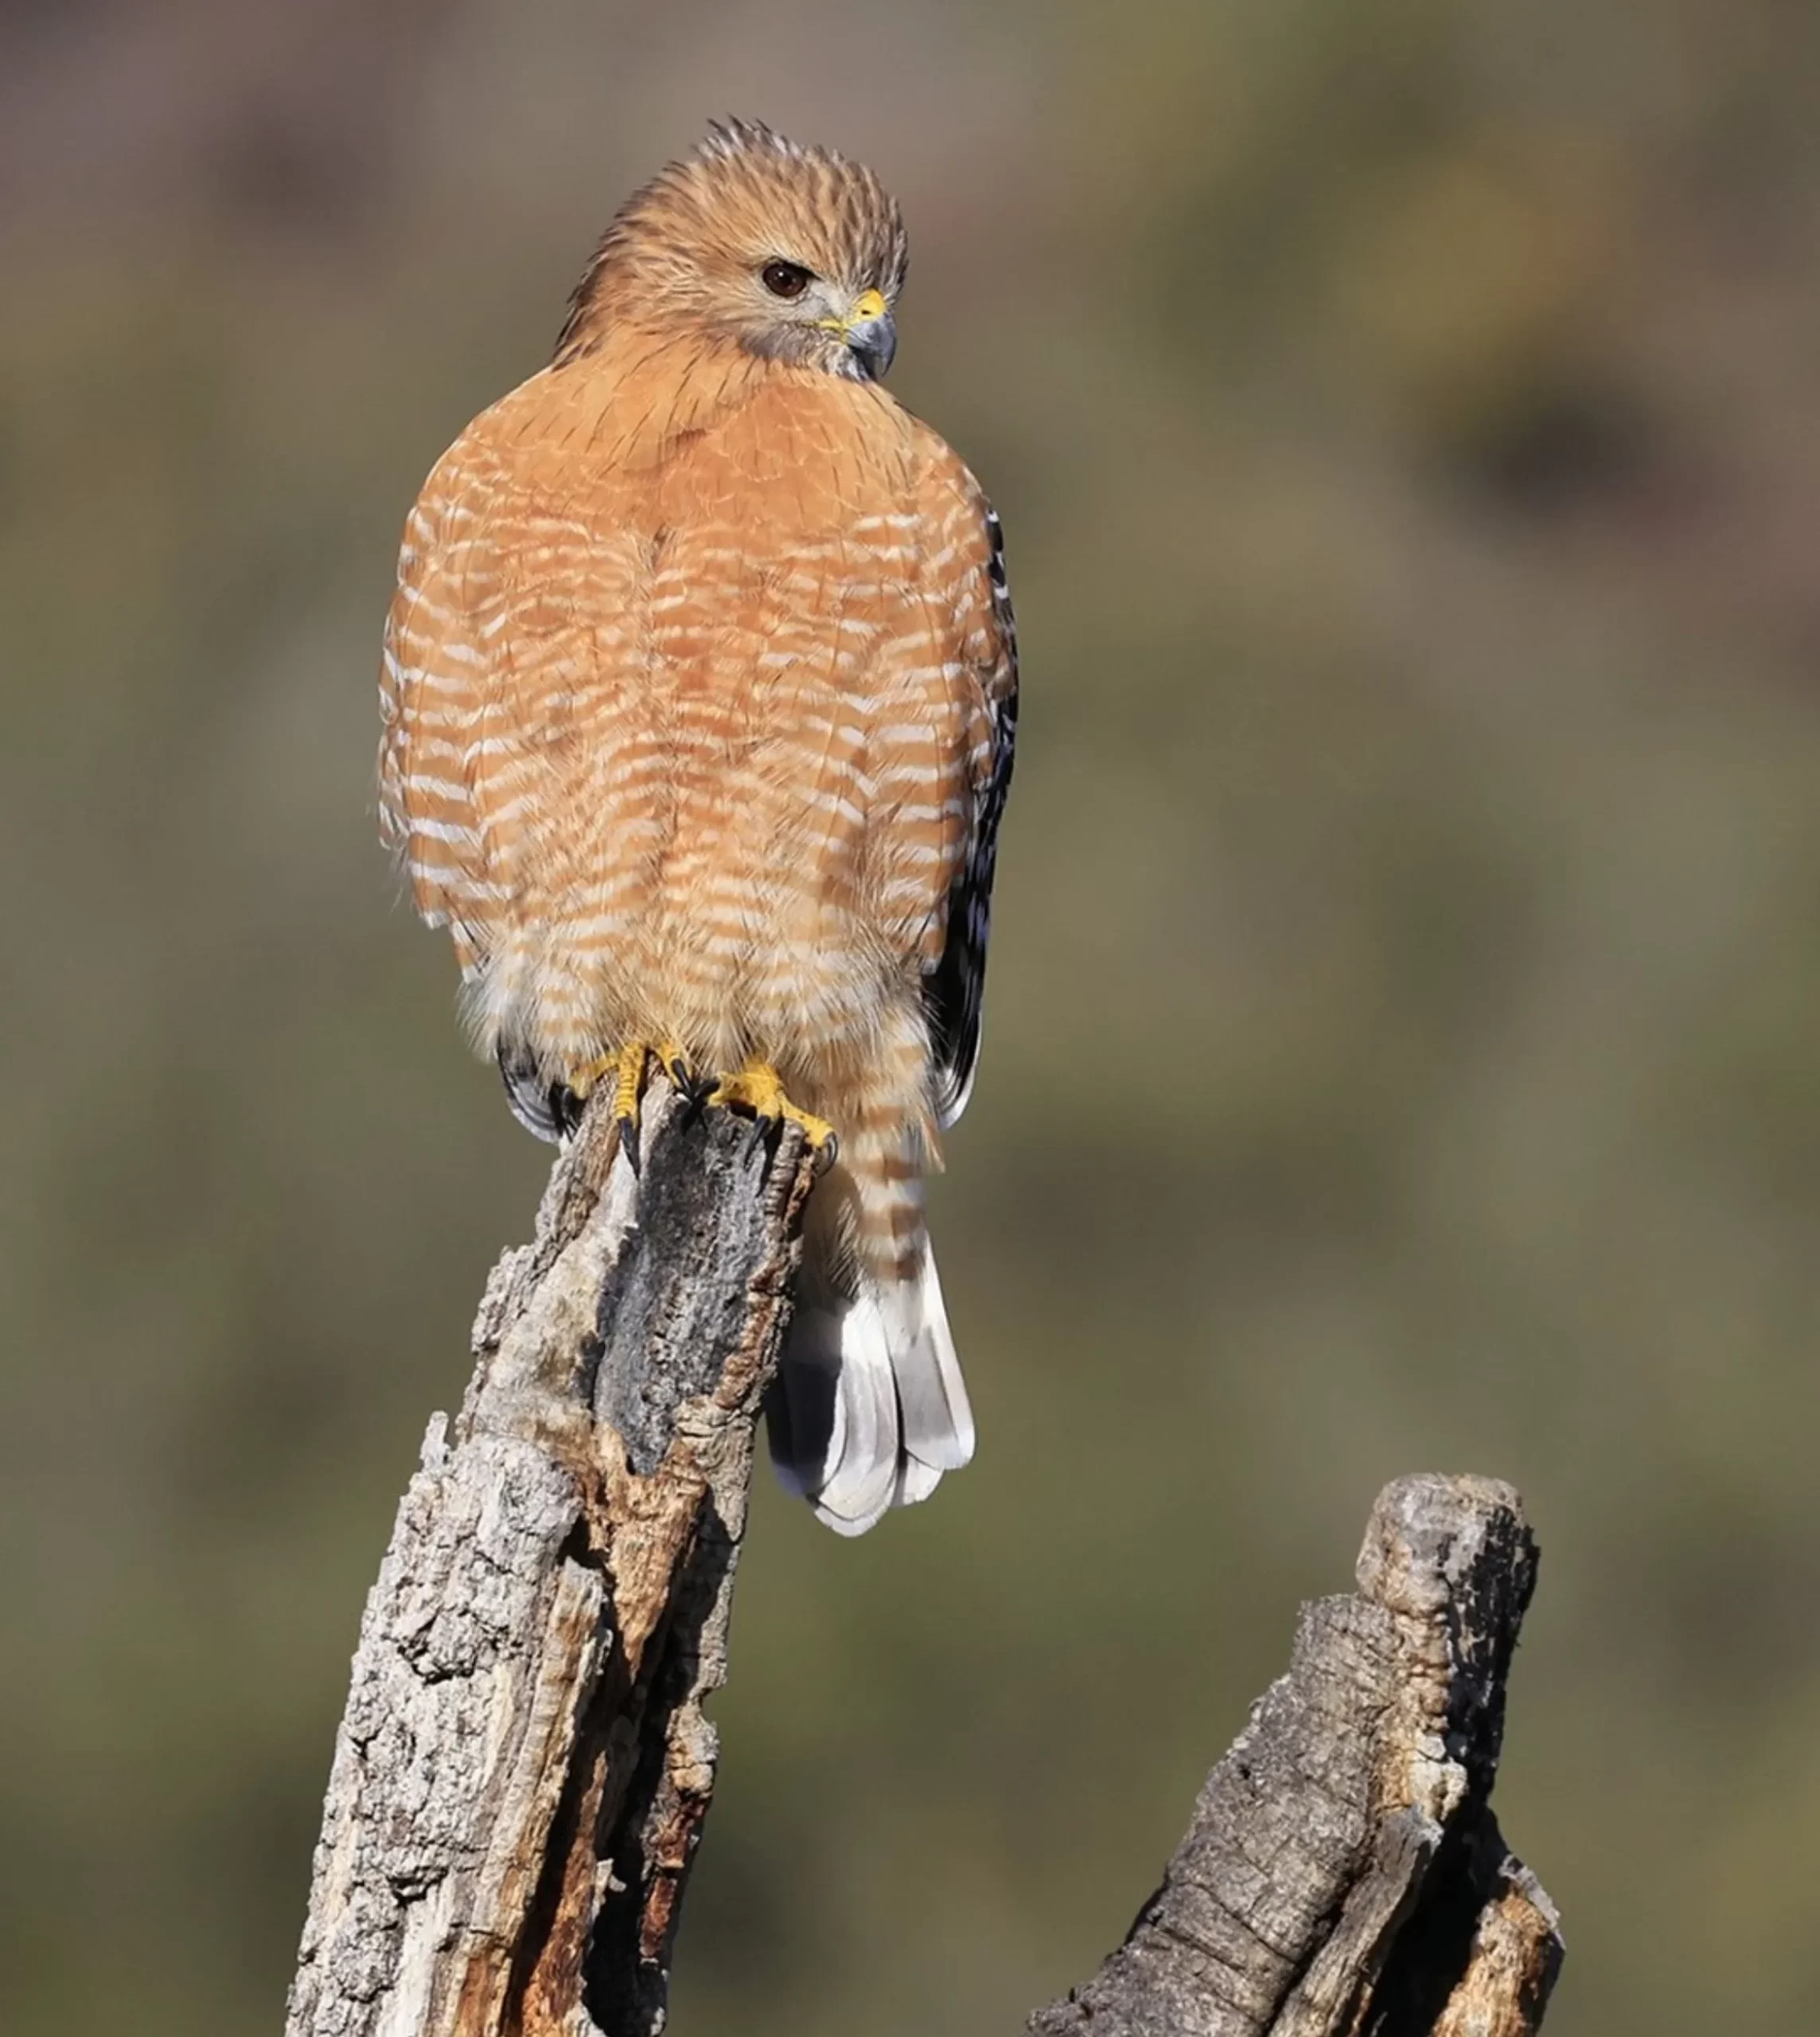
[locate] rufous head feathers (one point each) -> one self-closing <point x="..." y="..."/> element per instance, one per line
<point x="794" y="254"/>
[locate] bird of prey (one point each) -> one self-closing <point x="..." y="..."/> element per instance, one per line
<point x="699" y="691"/>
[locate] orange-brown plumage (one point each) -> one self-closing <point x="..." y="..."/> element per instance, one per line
<point x="697" y="693"/>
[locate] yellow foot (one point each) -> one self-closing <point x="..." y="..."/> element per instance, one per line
<point x="759" y="1088"/>
<point x="627" y="1069"/>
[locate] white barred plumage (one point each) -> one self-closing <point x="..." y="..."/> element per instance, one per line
<point x="699" y="693"/>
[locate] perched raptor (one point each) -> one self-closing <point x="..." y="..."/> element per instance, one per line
<point x="698" y="692"/>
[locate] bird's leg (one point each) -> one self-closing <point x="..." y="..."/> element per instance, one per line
<point x="628" y="1084"/>
<point x="582" y="1082"/>
<point x="759" y="1088"/>
<point x="626" y="1070"/>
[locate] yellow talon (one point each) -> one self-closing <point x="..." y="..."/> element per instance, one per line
<point x="760" y="1089"/>
<point x="628" y="1080"/>
<point x="627" y="1069"/>
<point x="583" y="1083"/>
<point x="676" y="1065"/>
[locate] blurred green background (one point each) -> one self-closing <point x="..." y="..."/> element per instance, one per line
<point x="1402" y="1050"/>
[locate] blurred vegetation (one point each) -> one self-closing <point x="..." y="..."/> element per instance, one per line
<point x="1402" y="1051"/>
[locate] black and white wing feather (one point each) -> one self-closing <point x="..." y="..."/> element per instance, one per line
<point x="954" y="991"/>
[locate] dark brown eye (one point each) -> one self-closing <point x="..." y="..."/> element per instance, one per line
<point x="785" y="278"/>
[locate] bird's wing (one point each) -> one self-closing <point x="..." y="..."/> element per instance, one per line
<point x="954" y="988"/>
<point x="435" y="689"/>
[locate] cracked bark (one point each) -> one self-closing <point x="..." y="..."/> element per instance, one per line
<point x="1343" y="1875"/>
<point x="525" y="1763"/>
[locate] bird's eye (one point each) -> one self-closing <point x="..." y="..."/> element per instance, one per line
<point x="785" y="278"/>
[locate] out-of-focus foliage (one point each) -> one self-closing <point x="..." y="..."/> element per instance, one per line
<point x="1405" y="1036"/>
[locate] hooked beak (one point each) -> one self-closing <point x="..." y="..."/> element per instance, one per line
<point x="871" y="331"/>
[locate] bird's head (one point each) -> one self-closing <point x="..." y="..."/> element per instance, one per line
<point x="793" y="254"/>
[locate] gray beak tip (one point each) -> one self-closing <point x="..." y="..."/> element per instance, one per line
<point x="875" y="341"/>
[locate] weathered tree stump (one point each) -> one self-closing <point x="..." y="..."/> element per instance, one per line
<point x="523" y="1767"/>
<point x="524" y="1764"/>
<point x="1344" y="1871"/>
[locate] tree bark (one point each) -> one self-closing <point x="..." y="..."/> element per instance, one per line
<point x="524" y="1766"/>
<point x="1343" y="1872"/>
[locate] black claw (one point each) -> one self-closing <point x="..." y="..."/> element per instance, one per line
<point x="694" y="1089"/>
<point x="565" y="1109"/>
<point x="629" y="1142"/>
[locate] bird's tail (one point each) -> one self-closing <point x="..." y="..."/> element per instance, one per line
<point x="869" y="1409"/>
